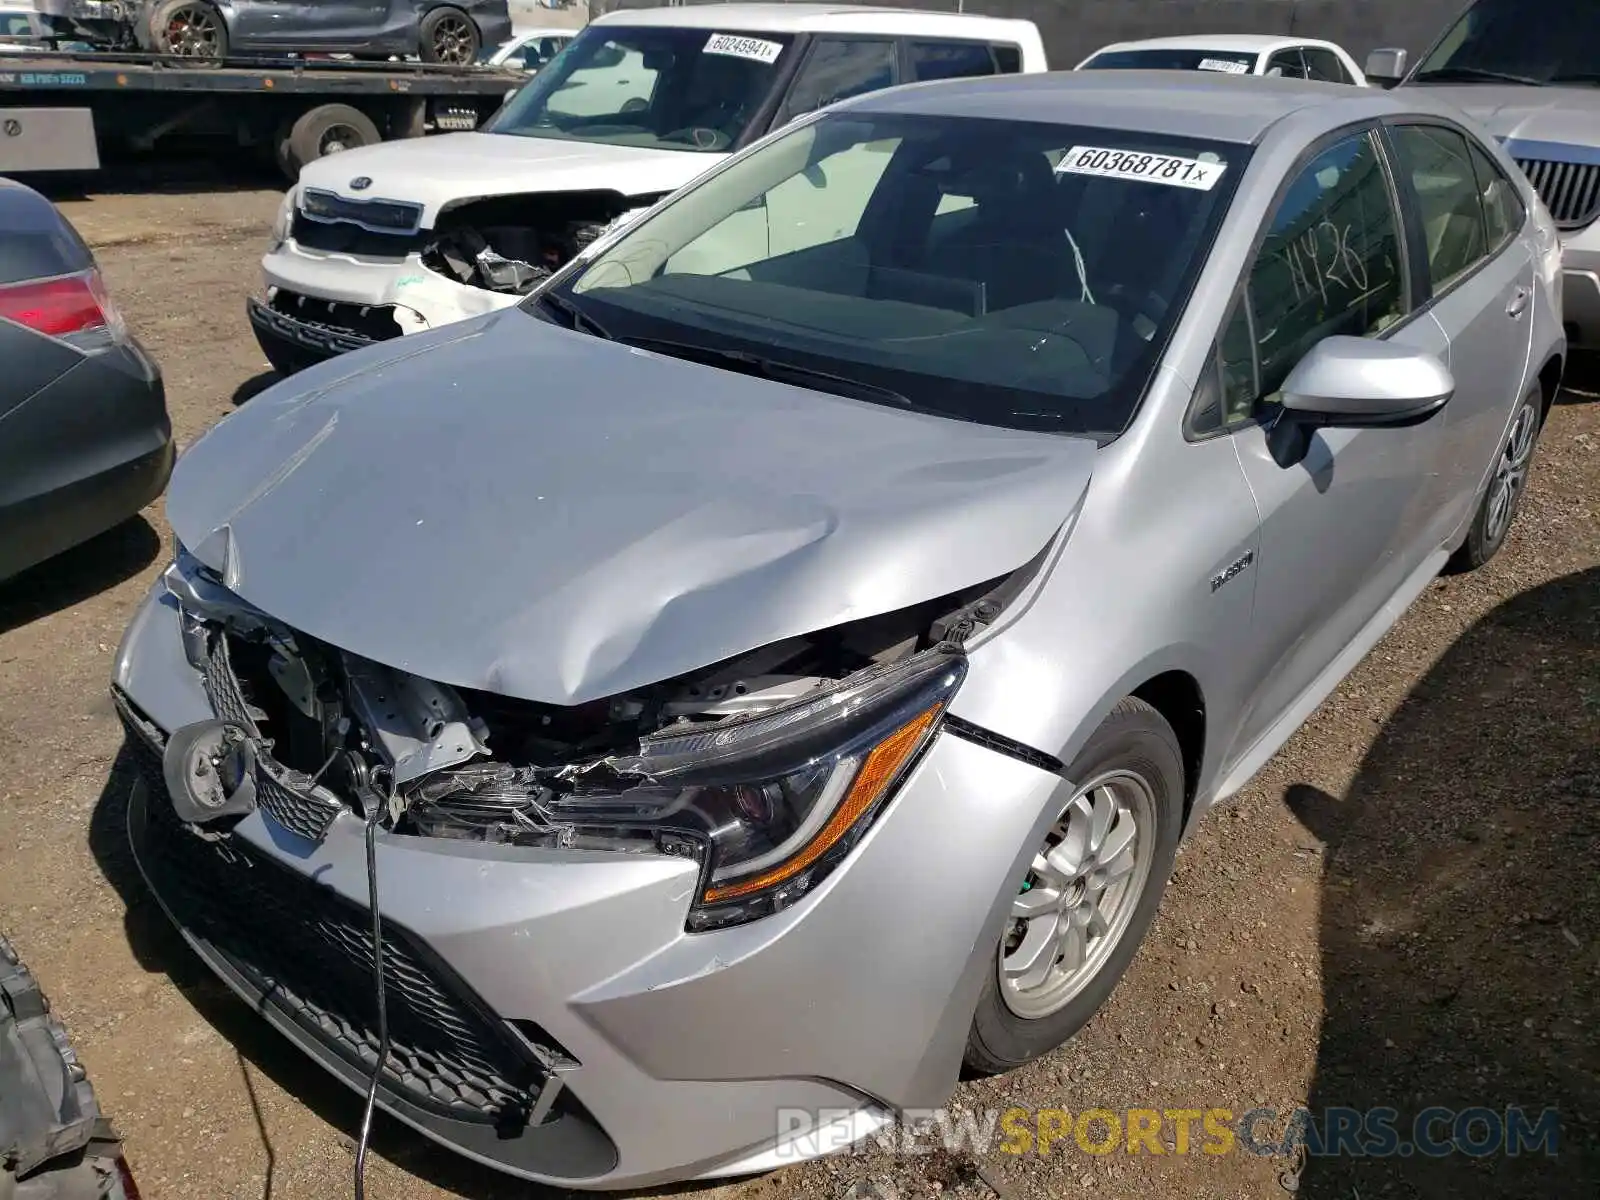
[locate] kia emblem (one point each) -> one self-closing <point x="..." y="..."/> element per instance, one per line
<point x="360" y="183"/>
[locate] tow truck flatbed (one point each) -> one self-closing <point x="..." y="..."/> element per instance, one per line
<point x="57" y="110"/>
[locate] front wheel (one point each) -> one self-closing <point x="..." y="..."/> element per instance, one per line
<point x="1088" y="896"/>
<point x="447" y="35"/>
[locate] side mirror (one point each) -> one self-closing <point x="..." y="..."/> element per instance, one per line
<point x="1351" y="382"/>
<point x="1387" y="67"/>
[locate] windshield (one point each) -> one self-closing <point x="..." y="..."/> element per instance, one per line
<point x="1518" y="41"/>
<point x="1173" y="58"/>
<point x="1015" y="274"/>
<point x="650" y="86"/>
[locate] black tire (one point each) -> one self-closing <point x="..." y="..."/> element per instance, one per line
<point x="448" y="35"/>
<point x="187" y="29"/>
<point x="1137" y="740"/>
<point x="1497" y="509"/>
<point x="323" y="130"/>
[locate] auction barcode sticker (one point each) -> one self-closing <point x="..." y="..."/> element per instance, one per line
<point x="758" y="49"/>
<point x="1226" y="65"/>
<point x="1194" y="173"/>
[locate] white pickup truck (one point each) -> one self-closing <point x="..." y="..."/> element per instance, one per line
<point x="405" y="236"/>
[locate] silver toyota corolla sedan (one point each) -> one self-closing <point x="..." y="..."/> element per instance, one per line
<point x="777" y="663"/>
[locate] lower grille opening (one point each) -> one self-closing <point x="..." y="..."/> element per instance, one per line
<point x="370" y="322"/>
<point x="307" y="949"/>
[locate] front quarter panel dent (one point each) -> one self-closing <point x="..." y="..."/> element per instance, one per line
<point x="940" y="860"/>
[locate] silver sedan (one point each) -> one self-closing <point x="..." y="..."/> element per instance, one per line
<point x="776" y="664"/>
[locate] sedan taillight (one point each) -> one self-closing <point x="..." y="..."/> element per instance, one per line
<point x="74" y="308"/>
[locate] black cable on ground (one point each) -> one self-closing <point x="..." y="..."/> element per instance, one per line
<point x="373" y="802"/>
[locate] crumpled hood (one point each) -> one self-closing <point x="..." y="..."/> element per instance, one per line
<point x="506" y="505"/>
<point x="435" y="171"/>
<point x="1566" y="115"/>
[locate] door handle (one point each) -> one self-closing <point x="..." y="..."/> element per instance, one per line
<point x="1519" y="302"/>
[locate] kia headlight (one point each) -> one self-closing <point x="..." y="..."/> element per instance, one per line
<point x="771" y="803"/>
<point x="283" y="223"/>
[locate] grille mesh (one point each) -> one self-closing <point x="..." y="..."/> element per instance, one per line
<point x="289" y="798"/>
<point x="309" y="950"/>
<point x="1571" y="191"/>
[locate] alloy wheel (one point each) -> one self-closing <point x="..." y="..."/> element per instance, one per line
<point x="1511" y="472"/>
<point x="453" y="41"/>
<point x="193" y="32"/>
<point x="1079" y="895"/>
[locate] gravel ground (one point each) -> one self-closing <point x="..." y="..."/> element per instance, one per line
<point x="1402" y="910"/>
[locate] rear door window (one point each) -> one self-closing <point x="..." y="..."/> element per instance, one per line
<point x="1439" y="166"/>
<point x="838" y="68"/>
<point x="959" y="60"/>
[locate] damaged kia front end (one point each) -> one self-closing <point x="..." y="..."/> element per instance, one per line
<point x="410" y="235"/>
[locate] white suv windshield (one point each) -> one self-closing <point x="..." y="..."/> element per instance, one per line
<point x="1011" y="273"/>
<point x="650" y="86"/>
<point x="1518" y="41"/>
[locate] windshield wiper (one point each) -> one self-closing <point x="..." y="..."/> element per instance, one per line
<point x="1476" y="75"/>
<point x="779" y="372"/>
<point x="1576" y="77"/>
<point x="575" y="316"/>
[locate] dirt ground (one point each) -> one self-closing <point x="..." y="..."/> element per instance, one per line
<point x="1402" y="910"/>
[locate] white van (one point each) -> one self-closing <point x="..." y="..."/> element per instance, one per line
<point x="406" y="236"/>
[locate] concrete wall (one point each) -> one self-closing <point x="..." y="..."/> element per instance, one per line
<point x="1073" y="29"/>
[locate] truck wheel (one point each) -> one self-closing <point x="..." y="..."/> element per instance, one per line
<point x="318" y="132"/>
<point x="449" y="36"/>
<point x="188" y="29"/>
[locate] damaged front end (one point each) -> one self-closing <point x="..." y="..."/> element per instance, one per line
<point x="511" y="244"/>
<point x="764" y="770"/>
<point x="342" y="275"/>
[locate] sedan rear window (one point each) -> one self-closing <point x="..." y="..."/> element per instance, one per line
<point x="1016" y="274"/>
<point x="1173" y="58"/>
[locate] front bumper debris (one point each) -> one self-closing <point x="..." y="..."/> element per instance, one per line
<point x="54" y="1141"/>
<point x="292" y="341"/>
<point x="506" y="965"/>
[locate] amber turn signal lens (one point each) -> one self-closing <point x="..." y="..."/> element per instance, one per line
<point x="876" y="774"/>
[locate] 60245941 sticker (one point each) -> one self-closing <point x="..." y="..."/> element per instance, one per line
<point x="1171" y="169"/>
<point x="1227" y="66"/>
<point x="757" y="49"/>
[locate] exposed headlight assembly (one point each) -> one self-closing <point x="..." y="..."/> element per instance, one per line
<point x="769" y="804"/>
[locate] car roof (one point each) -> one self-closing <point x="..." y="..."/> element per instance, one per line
<point x="23" y="210"/>
<point x="1239" y="43"/>
<point x="1197" y="104"/>
<point x="801" y="18"/>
